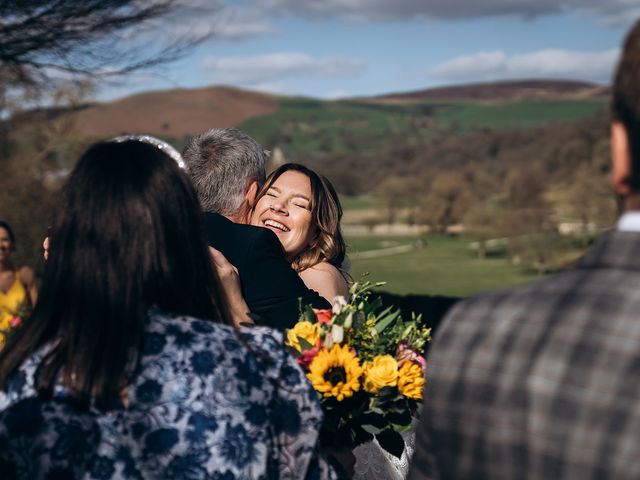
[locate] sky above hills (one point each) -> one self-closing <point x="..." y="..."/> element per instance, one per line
<point x="342" y="48"/>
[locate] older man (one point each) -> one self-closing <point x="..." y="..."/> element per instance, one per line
<point x="541" y="382"/>
<point x="227" y="169"/>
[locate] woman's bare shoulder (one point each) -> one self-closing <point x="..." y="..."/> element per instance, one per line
<point x="26" y="275"/>
<point x="326" y="279"/>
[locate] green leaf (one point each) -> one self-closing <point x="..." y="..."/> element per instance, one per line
<point x="402" y="428"/>
<point x="374" y="419"/>
<point x="371" y="429"/>
<point x="386" y="321"/>
<point x="391" y="441"/>
<point x="308" y="314"/>
<point x="292" y="351"/>
<point x="304" y="344"/>
<point x="399" y="417"/>
<point x="385" y="392"/>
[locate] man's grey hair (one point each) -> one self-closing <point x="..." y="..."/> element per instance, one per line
<point x="222" y="164"/>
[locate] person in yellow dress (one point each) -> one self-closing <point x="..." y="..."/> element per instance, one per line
<point x="18" y="289"/>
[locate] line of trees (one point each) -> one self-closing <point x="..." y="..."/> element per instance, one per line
<point x="520" y="185"/>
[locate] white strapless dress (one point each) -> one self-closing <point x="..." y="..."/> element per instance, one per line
<point x="374" y="463"/>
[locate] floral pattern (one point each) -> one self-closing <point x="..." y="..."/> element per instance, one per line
<point x="203" y="406"/>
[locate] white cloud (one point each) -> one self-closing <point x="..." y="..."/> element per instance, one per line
<point x="549" y="63"/>
<point x="220" y="21"/>
<point x="272" y="66"/>
<point x="337" y="94"/>
<point x="372" y="10"/>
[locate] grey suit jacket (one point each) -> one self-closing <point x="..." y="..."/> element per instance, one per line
<point x="540" y="382"/>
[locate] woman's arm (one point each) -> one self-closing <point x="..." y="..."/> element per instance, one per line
<point x="28" y="279"/>
<point x="327" y="280"/>
<point x="230" y="284"/>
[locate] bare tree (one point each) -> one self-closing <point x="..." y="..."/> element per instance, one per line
<point x="40" y="39"/>
<point x="57" y="48"/>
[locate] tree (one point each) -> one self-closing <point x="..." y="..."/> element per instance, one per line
<point x="53" y="46"/>
<point x="42" y="39"/>
<point x="392" y="194"/>
<point x="446" y="201"/>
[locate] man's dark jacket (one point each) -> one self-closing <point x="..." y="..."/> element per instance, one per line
<point x="270" y="286"/>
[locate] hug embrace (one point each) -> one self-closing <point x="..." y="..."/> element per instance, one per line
<point x="134" y="363"/>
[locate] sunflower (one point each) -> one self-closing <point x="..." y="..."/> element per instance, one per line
<point x="411" y="380"/>
<point x="335" y="372"/>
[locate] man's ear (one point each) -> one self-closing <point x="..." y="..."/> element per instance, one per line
<point x="621" y="159"/>
<point x="250" y="196"/>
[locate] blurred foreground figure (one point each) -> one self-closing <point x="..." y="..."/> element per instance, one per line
<point x="130" y="365"/>
<point x="541" y="382"/>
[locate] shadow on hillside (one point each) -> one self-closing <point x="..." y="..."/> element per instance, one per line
<point x="432" y="307"/>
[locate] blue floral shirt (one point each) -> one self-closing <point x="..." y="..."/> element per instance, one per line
<point x="204" y="406"/>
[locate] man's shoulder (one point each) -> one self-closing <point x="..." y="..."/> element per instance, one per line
<point x="242" y="230"/>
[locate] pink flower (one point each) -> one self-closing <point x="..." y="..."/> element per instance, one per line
<point x="305" y="359"/>
<point x="15" y="321"/>
<point x="323" y="316"/>
<point x="405" y="354"/>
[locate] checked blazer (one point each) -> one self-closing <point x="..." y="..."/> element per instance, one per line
<point x="542" y="381"/>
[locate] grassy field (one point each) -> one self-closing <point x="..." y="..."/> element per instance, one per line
<point x="521" y="114"/>
<point x="443" y="266"/>
<point x="311" y="127"/>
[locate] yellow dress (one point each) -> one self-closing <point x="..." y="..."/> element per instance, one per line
<point x="12" y="302"/>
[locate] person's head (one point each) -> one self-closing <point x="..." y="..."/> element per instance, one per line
<point x="625" y="131"/>
<point x="302" y="208"/>
<point x="226" y="167"/>
<point x="7" y="241"/>
<point x="127" y="237"/>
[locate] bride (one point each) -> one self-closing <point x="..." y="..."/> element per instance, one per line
<point x="303" y="210"/>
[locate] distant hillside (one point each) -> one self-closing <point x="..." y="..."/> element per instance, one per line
<point x="173" y="113"/>
<point x="503" y="91"/>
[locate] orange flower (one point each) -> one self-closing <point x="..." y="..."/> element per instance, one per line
<point x="323" y="316"/>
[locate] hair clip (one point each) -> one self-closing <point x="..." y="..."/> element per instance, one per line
<point x="156" y="142"/>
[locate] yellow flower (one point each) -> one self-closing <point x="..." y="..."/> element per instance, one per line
<point x="335" y="372"/>
<point x="307" y="330"/>
<point x="411" y="380"/>
<point x="381" y="372"/>
<point x="1" y="340"/>
<point x="5" y="321"/>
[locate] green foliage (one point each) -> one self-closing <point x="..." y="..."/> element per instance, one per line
<point x="520" y="114"/>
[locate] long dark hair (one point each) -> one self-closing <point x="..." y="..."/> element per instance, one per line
<point x="326" y="212"/>
<point x="127" y="236"/>
<point x="9" y="231"/>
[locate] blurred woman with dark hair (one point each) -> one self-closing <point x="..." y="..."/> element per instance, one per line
<point x="18" y="288"/>
<point x="131" y="365"/>
<point x="303" y="210"/>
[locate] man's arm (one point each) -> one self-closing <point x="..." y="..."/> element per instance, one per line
<point x="271" y="287"/>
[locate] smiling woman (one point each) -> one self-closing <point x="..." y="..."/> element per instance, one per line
<point x="303" y="210"/>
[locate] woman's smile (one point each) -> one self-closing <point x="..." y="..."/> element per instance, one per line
<point x="285" y="210"/>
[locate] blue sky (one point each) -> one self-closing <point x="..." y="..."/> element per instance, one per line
<point x="340" y="48"/>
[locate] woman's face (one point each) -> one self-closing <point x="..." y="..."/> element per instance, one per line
<point x="5" y="244"/>
<point x="284" y="209"/>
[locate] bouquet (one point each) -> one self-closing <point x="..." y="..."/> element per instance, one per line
<point x="11" y="319"/>
<point x="367" y="365"/>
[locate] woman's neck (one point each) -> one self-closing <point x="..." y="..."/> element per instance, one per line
<point x="6" y="265"/>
